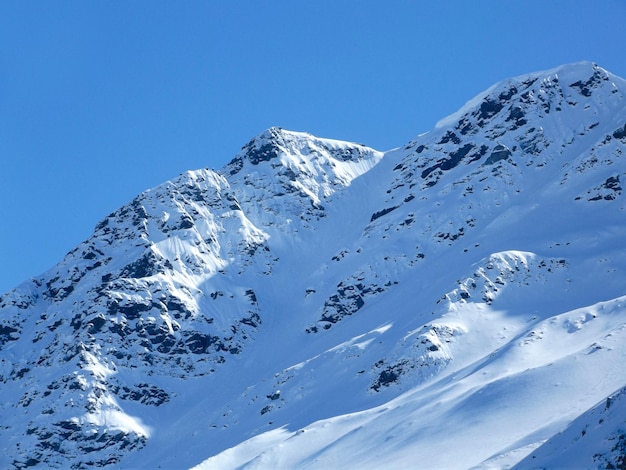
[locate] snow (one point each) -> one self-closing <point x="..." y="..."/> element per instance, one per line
<point x="566" y="74"/>
<point x="320" y="304"/>
<point x="117" y="420"/>
<point x="437" y="422"/>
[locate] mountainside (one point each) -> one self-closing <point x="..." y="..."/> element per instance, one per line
<point x="458" y="302"/>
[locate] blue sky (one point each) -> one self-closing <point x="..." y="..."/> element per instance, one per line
<point x="102" y="100"/>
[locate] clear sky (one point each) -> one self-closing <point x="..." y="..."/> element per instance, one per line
<point x="100" y="100"/>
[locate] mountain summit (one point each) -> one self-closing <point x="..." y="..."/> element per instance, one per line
<point x="456" y="302"/>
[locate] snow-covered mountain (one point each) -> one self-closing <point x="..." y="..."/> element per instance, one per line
<point x="458" y="302"/>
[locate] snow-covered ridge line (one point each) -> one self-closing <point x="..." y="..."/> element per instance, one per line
<point x="568" y="74"/>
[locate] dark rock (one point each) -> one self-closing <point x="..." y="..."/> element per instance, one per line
<point x="348" y="300"/>
<point x="254" y="320"/>
<point x="620" y="133"/>
<point x="451" y="236"/>
<point x="500" y="152"/>
<point x="389" y="375"/>
<point x="131" y="311"/>
<point x="464" y="126"/>
<point x="585" y="87"/>
<point x="478" y="154"/>
<point x="454" y="158"/>
<point x="143" y="393"/>
<point x="199" y="343"/>
<point x="516" y="114"/>
<point x="489" y="108"/>
<point x="348" y="154"/>
<point x="252" y="296"/>
<point x="612" y="182"/>
<point x="8" y="333"/>
<point x="77" y="321"/>
<point x="55" y="325"/>
<point x="30" y="462"/>
<point x="22" y="372"/>
<point x="102" y="224"/>
<point x="165" y="346"/>
<point x="382" y="212"/>
<point x="186" y="222"/>
<point x="96" y="324"/>
<point x="508" y="94"/>
<point x="264" y="153"/>
<point x="235" y="166"/>
<point x="175" y="304"/>
<point x="148" y="265"/>
<point x="582" y="87"/>
<point x="399" y="166"/>
<point x="274" y="396"/>
<point x="449" y="137"/>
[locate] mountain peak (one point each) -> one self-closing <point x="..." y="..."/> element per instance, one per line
<point x="569" y="80"/>
<point x="269" y="144"/>
<point x="575" y="71"/>
<point x="279" y="145"/>
<point x="284" y="176"/>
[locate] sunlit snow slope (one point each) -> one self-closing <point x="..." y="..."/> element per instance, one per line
<point x="458" y="302"/>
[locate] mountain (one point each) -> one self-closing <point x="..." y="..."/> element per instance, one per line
<point x="457" y="302"/>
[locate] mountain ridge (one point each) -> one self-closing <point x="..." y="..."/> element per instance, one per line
<point x="319" y="288"/>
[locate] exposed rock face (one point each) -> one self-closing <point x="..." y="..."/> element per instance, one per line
<point x="159" y="288"/>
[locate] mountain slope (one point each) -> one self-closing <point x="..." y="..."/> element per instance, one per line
<point x="317" y="303"/>
<point x="597" y="438"/>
